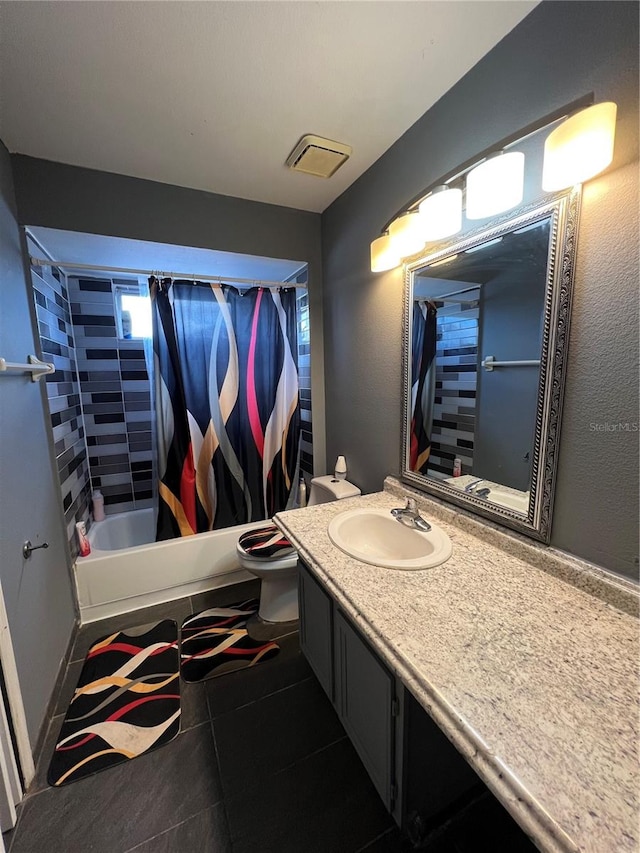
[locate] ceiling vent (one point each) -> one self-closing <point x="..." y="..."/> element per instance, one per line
<point x="314" y="155"/>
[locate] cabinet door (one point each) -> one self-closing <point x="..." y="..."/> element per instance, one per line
<point x="365" y="701"/>
<point x="316" y="628"/>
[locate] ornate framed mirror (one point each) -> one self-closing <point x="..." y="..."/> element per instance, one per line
<point x="485" y="336"/>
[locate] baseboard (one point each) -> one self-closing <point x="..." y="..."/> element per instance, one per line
<point x="53" y="699"/>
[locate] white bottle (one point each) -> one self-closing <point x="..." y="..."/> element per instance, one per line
<point x="457" y="467"/>
<point x="302" y="493"/>
<point x="126" y="325"/>
<point x="97" y="500"/>
<point x="340" y="471"/>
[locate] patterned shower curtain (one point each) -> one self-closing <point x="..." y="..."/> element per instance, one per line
<point x="227" y="410"/>
<point x="423" y="383"/>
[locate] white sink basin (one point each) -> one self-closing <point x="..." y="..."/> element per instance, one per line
<point x="500" y="495"/>
<point x="374" y="536"/>
<point x="510" y="499"/>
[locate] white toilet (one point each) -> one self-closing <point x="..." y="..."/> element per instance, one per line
<point x="268" y="554"/>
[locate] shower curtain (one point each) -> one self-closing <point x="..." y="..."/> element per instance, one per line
<point x="227" y="409"/>
<point x="423" y="383"/>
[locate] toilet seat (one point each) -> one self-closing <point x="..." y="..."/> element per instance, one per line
<point x="267" y="554"/>
<point x="266" y="547"/>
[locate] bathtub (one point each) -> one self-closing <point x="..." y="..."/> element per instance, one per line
<point x="127" y="569"/>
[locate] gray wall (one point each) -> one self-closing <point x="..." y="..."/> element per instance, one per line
<point x="102" y="203"/>
<point x="37" y="592"/>
<point x="560" y="52"/>
<point x="511" y="312"/>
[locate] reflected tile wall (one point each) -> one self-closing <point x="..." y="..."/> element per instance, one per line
<point x="454" y="411"/>
<point x="304" y="379"/>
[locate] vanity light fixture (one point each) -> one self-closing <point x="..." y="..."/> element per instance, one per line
<point x="407" y="234"/>
<point x="495" y="185"/>
<point x="384" y="255"/>
<point x="579" y="148"/>
<point x="441" y="213"/>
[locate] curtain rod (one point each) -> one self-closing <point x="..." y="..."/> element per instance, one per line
<point x="221" y="279"/>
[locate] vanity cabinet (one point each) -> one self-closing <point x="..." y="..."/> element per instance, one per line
<point x="413" y="766"/>
<point x="365" y="699"/>
<point x="316" y="628"/>
<point x="360" y="686"/>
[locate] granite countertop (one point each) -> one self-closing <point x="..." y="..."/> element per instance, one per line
<point x="533" y="678"/>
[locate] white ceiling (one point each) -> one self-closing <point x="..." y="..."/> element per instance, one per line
<point x="116" y="253"/>
<point x="214" y="95"/>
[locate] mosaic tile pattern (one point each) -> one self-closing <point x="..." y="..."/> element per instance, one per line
<point x="55" y="329"/>
<point x="454" y="412"/>
<point x="116" y="397"/>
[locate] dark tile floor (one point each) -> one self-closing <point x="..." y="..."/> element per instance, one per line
<point x="261" y="764"/>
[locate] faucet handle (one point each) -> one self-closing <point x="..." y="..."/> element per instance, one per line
<point x="411" y="505"/>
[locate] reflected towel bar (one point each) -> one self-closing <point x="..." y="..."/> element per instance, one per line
<point x="489" y="362"/>
<point x="35" y="367"/>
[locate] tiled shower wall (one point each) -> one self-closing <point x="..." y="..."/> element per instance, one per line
<point x="116" y="398"/>
<point x="452" y="434"/>
<point x="63" y="391"/>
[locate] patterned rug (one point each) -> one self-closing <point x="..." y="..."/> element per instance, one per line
<point x="216" y="642"/>
<point x="127" y="702"/>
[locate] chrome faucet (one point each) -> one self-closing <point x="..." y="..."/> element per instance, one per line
<point x="472" y="489"/>
<point x="410" y="517"/>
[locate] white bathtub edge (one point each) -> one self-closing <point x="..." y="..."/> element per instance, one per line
<point x="95" y="612"/>
<point x="111" y="583"/>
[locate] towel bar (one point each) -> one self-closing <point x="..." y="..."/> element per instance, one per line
<point x="35" y="367"/>
<point x="489" y="362"/>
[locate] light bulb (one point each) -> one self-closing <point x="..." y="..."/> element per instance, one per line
<point x="406" y="234"/>
<point x="580" y="147"/>
<point x="383" y="254"/>
<point x="441" y="213"/>
<point x="495" y="185"/>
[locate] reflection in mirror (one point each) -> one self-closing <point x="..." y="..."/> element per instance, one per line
<point x="478" y="325"/>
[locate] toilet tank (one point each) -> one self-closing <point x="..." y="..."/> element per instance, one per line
<point x="328" y="488"/>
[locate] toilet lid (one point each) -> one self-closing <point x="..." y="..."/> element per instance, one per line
<point x="265" y="543"/>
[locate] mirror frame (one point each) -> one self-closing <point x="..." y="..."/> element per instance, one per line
<point x="564" y="211"/>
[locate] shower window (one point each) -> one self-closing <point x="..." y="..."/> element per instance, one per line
<point x="133" y="313"/>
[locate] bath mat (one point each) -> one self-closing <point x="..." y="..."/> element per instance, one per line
<point x="215" y="642"/>
<point x="127" y="702"/>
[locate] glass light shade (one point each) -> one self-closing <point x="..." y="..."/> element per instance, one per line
<point x="384" y="255"/>
<point x="441" y="213"/>
<point x="495" y="185"/>
<point x="580" y="147"/>
<point x="406" y="234"/>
